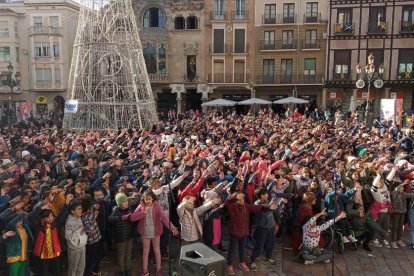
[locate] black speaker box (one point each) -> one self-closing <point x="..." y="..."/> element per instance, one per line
<point x="199" y="260"/>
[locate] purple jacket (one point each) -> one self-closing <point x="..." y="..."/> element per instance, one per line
<point x="158" y="217"/>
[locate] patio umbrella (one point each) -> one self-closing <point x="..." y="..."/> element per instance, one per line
<point x="291" y="100"/>
<point x="219" y="102"/>
<point x="254" y="101"/>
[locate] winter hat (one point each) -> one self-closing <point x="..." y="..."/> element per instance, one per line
<point x="119" y="198"/>
<point x="25" y="153"/>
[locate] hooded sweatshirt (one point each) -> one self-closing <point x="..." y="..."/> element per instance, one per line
<point x="75" y="238"/>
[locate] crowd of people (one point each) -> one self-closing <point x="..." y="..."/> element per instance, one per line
<point x="68" y="196"/>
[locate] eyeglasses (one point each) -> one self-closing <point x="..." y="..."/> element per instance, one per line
<point x="79" y="209"/>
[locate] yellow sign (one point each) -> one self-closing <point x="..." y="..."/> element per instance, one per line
<point x="41" y="100"/>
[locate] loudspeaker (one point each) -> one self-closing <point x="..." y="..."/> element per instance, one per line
<point x="199" y="260"/>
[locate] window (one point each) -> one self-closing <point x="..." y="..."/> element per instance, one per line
<point x="240" y="9"/>
<point x="239" y="40"/>
<point x="239" y="71"/>
<point x="218" y="67"/>
<point x="268" y="71"/>
<point x="150" y="56"/>
<point x="154" y="18"/>
<point x="191" y="67"/>
<point x="17" y="54"/>
<point x="38" y="24"/>
<point x="269" y="40"/>
<point x="287" y="40"/>
<point x="405" y="64"/>
<point x="179" y="23"/>
<point x="192" y="22"/>
<point x="56" y="50"/>
<point x="58" y="78"/>
<point x="344" y="21"/>
<point x="311" y="12"/>
<point x="376" y="21"/>
<point x="162" y="57"/>
<point x="16" y="30"/>
<point x="54" y="21"/>
<point x="4" y="28"/>
<point x="342" y="61"/>
<point x="218" y="41"/>
<point x="286" y="71"/>
<point x="309" y="70"/>
<point x="289" y="13"/>
<point x="219" y="9"/>
<point x="4" y="54"/>
<point x="310" y="39"/>
<point x="43" y="75"/>
<point x="41" y="49"/>
<point x="407" y="22"/>
<point x="270" y="14"/>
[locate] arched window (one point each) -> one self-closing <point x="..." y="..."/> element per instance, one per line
<point x="162" y="55"/>
<point x="179" y="23"/>
<point x="150" y="56"/>
<point x="192" y="22"/>
<point x="154" y="17"/>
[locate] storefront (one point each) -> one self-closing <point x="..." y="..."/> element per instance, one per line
<point x="334" y="99"/>
<point x="41" y="106"/>
<point x="361" y="100"/>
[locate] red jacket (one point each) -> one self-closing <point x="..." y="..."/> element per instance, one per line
<point x="239" y="221"/>
<point x="40" y="247"/>
<point x="191" y="189"/>
<point x="158" y="217"/>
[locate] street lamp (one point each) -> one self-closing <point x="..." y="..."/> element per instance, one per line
<point x="370" y="75"/>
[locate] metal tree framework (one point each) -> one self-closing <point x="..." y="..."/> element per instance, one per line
<point x="108" y="75"/>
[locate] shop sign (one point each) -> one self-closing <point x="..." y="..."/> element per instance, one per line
<point x="41" y="100"/>
<point x="71" y="106"/>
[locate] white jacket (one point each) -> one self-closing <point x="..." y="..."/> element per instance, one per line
<point x="73" y="235"/>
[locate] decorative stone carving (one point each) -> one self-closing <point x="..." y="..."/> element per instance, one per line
<point x="190" y="49"/>
<point x="204" y="90"/>
<point x="178" y="89"/>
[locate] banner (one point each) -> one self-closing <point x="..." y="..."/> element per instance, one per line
<point x="24" y="110"/>
<point x="387" y="109"/>
<point x="71" y="106"/>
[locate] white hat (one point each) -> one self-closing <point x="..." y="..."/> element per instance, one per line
<point x="6" y="162"/>
<point x="25" y="153"/>
<point x="351" y="158"/>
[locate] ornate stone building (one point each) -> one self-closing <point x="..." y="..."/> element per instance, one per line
<point x="171" y="33"/>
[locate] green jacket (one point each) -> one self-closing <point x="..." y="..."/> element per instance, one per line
<point x="14" y="244"/>
<point x="363" y="224"/>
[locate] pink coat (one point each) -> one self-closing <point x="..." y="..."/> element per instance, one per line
<point x="158" y="217"/>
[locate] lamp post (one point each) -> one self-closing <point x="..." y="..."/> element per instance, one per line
<point x="371" y="76"/>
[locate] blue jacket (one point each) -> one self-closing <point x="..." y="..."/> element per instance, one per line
<point x="14" y="244"/>
<point x="342" y="200"/>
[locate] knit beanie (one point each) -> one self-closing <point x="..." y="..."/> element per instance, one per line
<point x="119" y="198"/>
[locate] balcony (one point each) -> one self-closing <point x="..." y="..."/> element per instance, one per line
<point x="240" y="49"/>
<point x="377" y="28"/>
<point x="344" y="29"/>
<point x="218" y="16"/>
<point x="240" y="15"/>
<point x="154" y="77"/>
<point x="219" y="49"/>
<point x="278" y="19"/>
<point x="278" y="45"/>
<point x="41" y="30"/>
<point x="407" y="27"/>
<point x="312" y="17"/>
<point x="288" y="79"/>
<point x="43" y="84"/>
<point x="309" y="44"/>
<point x="154" y="32"/>
<point x="227" y="78"/>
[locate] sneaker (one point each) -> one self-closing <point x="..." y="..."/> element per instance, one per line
<point x="327" y="261"/>
<point x="244" y="267"/>
<point x="352" y="239"/>
<point x="230" y="270"/>
<point x="401" y="243"/>
<point x="345" y="239"/>
<point x="270" y="261"/>
<point x="386" y="244"/>
<point x="253" y="267"/>
<point x="376" y="243"/>
<point x="394" y="245"/>
<point x="308" y="262"/>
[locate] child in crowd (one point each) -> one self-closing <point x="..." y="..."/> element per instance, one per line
<point x="151" y="218"/>
<point x="310" y="251"/>
<point x="76" y="239"/>
<point x="122" y="230"/>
